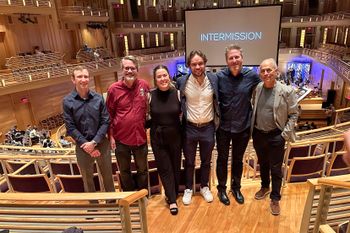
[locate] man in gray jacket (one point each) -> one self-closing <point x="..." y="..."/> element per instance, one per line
<point x="275" y="113"/>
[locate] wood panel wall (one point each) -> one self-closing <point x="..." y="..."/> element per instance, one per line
<point x="7" y="116"/>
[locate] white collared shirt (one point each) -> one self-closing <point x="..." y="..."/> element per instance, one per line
<point x="199" y="100"/>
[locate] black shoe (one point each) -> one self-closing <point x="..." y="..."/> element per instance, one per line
<point x="223" y="197"/>
<point x="174" y="210"/>
<point x="238" y="196"/>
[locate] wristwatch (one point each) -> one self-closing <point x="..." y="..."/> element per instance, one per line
<point x="94" y="142"/>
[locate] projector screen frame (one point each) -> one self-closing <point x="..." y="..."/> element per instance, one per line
<point x="223" y="50"/>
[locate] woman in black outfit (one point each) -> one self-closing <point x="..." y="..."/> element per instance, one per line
<point x="166" y="133"/>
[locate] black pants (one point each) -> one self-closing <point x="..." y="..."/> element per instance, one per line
<point x="166" y="146"/>
<point x="123" y="153"/>
<point x="204" y="136"/>
<point x="239" y="145"/>
<point x="270" y="150"/>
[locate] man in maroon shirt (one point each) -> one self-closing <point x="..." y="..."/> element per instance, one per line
<point x="127" y="106"/>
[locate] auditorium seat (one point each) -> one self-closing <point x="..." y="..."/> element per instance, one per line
<point x="74" y="183"/>
<point x="29" y="183"/>
<point x="336" y="165"/>
<point x="24" y="167"/>
<point x="303" y="168"/>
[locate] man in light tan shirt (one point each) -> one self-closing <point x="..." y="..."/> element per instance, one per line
<point x="200" y="118"/>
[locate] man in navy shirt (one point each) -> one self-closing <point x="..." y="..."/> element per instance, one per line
<point x="235" y="86"/>
<point x="87" y="121"/>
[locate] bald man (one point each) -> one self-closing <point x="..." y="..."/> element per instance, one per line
<point x="275" y="114"/>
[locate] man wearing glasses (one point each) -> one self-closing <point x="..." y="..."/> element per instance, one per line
<point x="235" y="85"/>
<point x="275" y="113"/>
<point x="127" y="106"/>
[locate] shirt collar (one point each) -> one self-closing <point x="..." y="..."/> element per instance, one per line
<point x="77" y="96"/>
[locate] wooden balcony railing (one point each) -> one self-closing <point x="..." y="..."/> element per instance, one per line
<point x="8" y="80"/>
<point x="82" y="11"/>
<point x="317" y="18"/>
<point x="29" y="3"/>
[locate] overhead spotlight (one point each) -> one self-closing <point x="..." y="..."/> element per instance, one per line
<point x="31" y="20"/>
<point x="22" y="18"/>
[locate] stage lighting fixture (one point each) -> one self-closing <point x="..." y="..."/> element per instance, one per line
<point x="31" y="20"/>
<point x="22" y="19"/>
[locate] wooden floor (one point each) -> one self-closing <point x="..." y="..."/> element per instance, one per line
<point x="253" y="216"/>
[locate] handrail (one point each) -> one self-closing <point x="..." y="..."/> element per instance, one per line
<point x="36" y="157"/>
<point x="41" y="149"/>
<point x="342" y="109"/>
<point x="63" y="70"/>
<point x="83" y="11"/>
<point x="66" y="196"/>
<point x="126" y="201"/>
<point x="130" y="25"/>
<point x="315" y="141"/>
<point x="334" y="62"/>
<point x="28" y="3"/>
<point x="341" y="15"/>
<point x="337" y="183"/>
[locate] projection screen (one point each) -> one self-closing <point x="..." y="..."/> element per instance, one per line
<point x="255" y="29"/>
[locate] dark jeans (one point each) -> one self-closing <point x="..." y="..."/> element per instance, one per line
<point x="123" y="153"/>
<point x="239" y="144"/>
<point x="270" y="150"/>
<point x="204" y="136"/>
<point x="166" y="146"/>
<point x="86" y="165"/>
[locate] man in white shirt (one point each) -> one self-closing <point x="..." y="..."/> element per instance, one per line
<point x="200" y="118"/>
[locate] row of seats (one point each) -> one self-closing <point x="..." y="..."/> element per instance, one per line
<point x="52" y="122"/>
<point x="61" y="174"/>
<point x="23" y="63"/>
<point x="308" y="159"/>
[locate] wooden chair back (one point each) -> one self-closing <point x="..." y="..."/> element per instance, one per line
<point x="29" y="183"/>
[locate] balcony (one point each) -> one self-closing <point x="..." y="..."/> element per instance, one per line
<point x="331" y="19"/>
<point x="79" y="14"/>
<point x="335" y="63"/>
<point x="143" y="27"/>
<point x="27" y="6"/>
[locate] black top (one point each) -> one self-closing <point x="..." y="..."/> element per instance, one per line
<point x="165" y="113"/>
<point x="165" y="108"/>
<point x="85" y="119"/>
<point x="235" y="93"/>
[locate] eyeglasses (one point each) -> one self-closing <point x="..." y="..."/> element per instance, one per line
<point x="129" y="68"/>
<point x="268" y="71"/>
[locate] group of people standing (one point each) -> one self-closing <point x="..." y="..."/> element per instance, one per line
<point x="201" y="106"/>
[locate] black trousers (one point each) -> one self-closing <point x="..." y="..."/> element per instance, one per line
<point x="270" y="150"/>
<point x="123" y="153"/>
<point x="239" y="145"/>
<point x="166" y="146"/>
<point x="204" y="136"/>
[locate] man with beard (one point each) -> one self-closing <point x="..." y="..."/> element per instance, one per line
<point x="199" y="105"/>
<point x="127" y="106"/>
<point x="235" y="87"/>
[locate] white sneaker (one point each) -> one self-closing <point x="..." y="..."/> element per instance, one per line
<point x="206" y="193"/>
<point x="186" y="199"/>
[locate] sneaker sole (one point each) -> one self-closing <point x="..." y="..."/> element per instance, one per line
<point x="274" y="214"/>
<point x="262" y="197"/>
